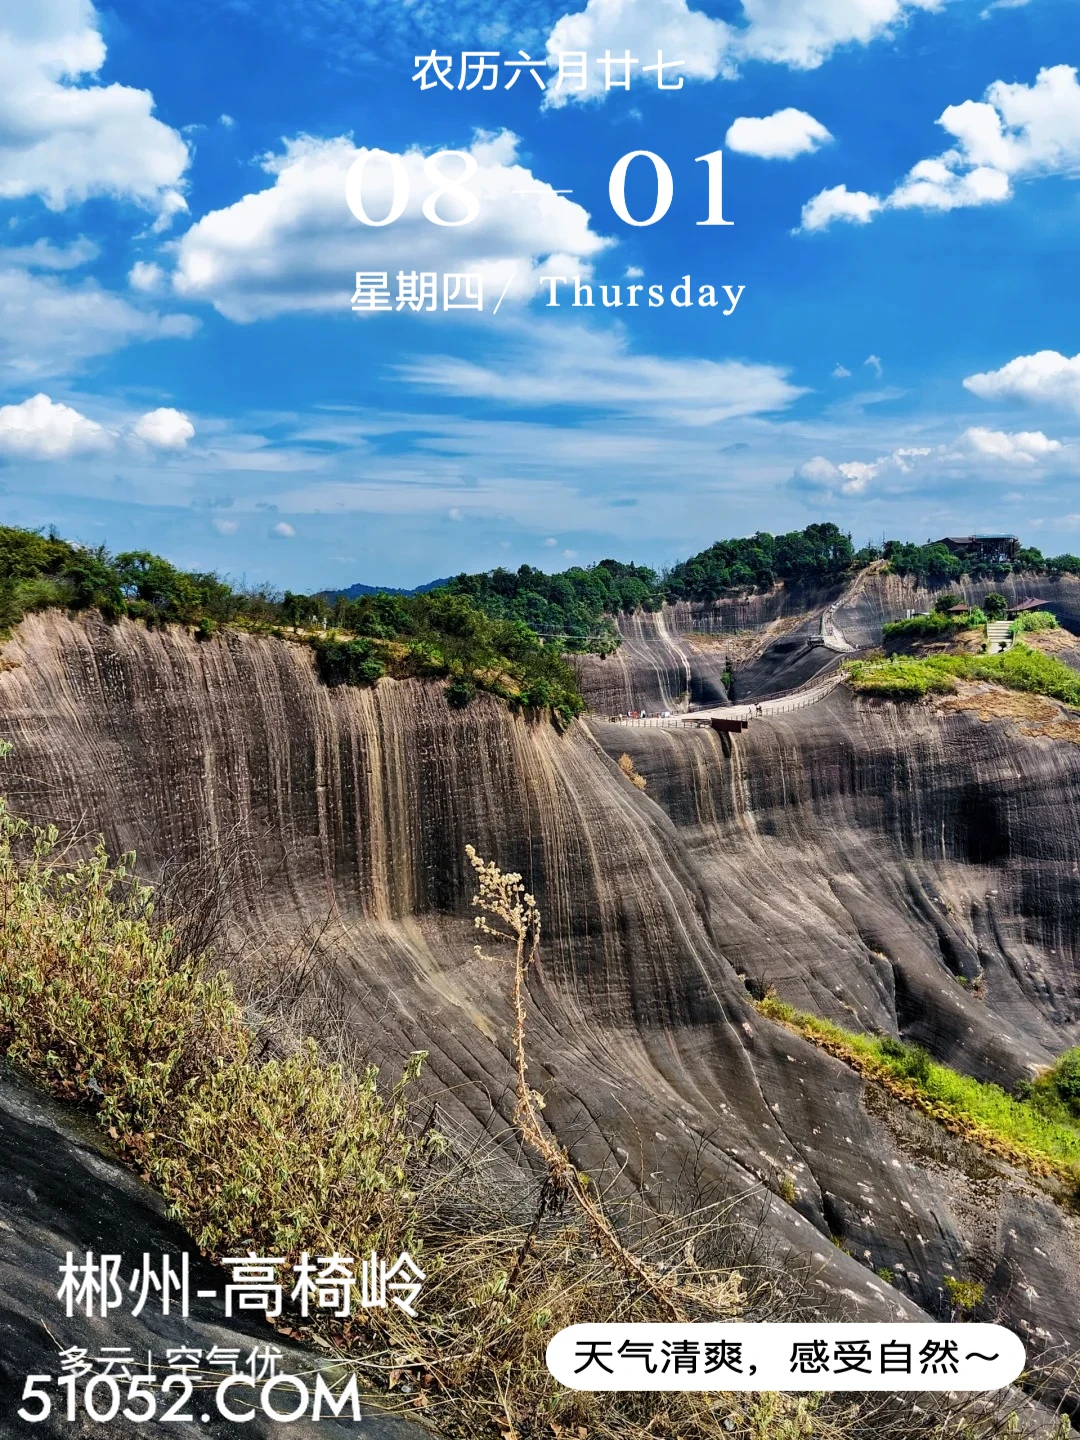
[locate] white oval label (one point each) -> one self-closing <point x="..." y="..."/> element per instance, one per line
<point x="904" y="1356"/>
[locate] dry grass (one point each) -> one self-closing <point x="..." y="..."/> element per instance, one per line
<point x="626" y="765"/>
<point x="1034" y="714"/>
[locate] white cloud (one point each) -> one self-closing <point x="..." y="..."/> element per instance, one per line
<point x="972" y="451"/>
<point x="295" y="245"/>
<point x="936" y="185"/>
<point x="282" y="531"/>
<point x="43" y="429"/>
<point x="48" y="327"/>
<point x="817" y="473"/>
<point x="634" y="272"/>
<point x="65" y="141"/>
<point x="853" y="477"/>
<point x="841" y="373"/>
<point x="839" y="203"/>
<point x="1015" y="132"/>
<point x="597" y="370"/>
<point x="798" y="33"/>
<point x="164" y="429"/>
<point x="146" y="277"/>
<point x="781" y="136"/>
<point x="804" y="33"/>
<point x="1045" y="378"/>
<point x="172" y="204"/>
<point x="874" y="362"/>
<point x="226" y="527"/>
<point x="44" y="255"/>
<point x="550" y="542"/>
<point x="1022" y="129"/>
<point x="1024" y="447"/>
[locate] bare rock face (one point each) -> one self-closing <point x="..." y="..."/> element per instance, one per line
<point x="859" y="858"/>
<point x="677" y="656"/>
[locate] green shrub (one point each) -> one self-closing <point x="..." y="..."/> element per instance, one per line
<point x="98" y="1005"/>
<point x="900" y="678"/>
<point x="934" y="626"/>
<point x="10" y="609"/>
<point x="911" y="1061"/>
<point x="965" y="1295"/>
<point x="42" y="592"/>
<point x="996" y="605"/>
<point x="347" y="662"/>
<point x="1057" y="1090"/>
<point x="460" y="692"/>
<point x="1034" y="621"/>
<point x="1022" y="668"/>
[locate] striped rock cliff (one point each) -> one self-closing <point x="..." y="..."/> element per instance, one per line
<point x="858" y="857"/>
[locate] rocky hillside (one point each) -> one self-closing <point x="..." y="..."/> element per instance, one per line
<point x="772" y="639"/>
<point x="861" y="858"/>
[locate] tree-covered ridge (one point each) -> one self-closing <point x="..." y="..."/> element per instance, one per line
<point x="818" y="553"/>
<point x="577" y="602"/>
<point x="437" y="634"/>
<point x="38" y="572"/>
<point x="936" y="562"/>
<point x="503" y="631"/>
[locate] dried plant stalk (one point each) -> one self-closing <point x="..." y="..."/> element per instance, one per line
<point x="502" y="897"/>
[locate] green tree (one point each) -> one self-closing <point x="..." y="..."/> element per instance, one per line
<point x="996" y="606"/>
<point x="347" y="662"/>
<point x="10" y="609"/>
<point x="95" y="584"/>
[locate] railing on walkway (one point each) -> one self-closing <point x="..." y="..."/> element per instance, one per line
<point x="798" y="699"/>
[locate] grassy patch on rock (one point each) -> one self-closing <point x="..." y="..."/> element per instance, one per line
<point x="935" y="626"/>
<point x="1041" y="1137"/>
<point x="906" y="677"/>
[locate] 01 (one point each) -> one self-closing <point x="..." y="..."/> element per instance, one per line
<point x="456" y="188"/>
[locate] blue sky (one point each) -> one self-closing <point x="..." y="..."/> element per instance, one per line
<point x="180" y="368"/>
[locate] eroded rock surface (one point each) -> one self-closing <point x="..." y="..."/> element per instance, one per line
<point x="860" y="858"/>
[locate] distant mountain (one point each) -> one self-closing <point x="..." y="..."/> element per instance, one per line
<point x="355" y="591"/>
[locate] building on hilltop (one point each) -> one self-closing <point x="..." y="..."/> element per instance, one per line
<point x="990" y="549"/>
